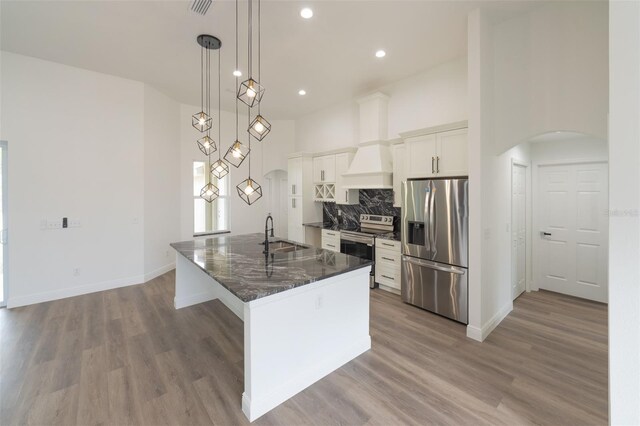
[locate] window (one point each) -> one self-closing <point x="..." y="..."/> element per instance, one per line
<point x="214" y="216"/>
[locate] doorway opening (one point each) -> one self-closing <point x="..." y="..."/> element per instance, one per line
<point x="570" y="201"/>
<point x="519" y="219"/>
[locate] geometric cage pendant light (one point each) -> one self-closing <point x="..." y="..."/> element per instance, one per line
<point x="202" y="120"/>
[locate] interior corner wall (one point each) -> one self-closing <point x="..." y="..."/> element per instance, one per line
<point x="75" y="142"/>
<point x="435" y="97"/>
<point x="267" y="155"/>
<point x="161" y="181"/>
<point x="624" y="220"/>
<point x="551" y="73"/>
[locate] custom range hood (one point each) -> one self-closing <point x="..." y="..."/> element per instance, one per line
<point x="372" y="165"/>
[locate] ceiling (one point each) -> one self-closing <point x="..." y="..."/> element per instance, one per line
<point x="331" y="56"/>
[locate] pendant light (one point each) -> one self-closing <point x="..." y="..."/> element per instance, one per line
<point x="249" y="190"/>
<point x="237" y="152"/>
<point x="219" y="169"/>
<point x="250" y="91"/>
<point x="209" y="192"/>
<point x="259" y="127"/>
<point x="202" y="121"/>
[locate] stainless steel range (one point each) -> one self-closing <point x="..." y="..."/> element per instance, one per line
<point x="360" y="242"/>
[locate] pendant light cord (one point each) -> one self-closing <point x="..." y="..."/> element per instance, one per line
<point x="201" y="78"/>
<point x="219" y="110"/>
<point x="237" y="69"/>
<point x="259" y="31"/>
<point x="250" y="41"/>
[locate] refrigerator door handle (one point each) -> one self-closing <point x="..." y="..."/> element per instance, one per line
<point x="434" y="265"/>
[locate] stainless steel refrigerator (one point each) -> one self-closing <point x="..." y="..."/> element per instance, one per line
<point x="435" y="245"/>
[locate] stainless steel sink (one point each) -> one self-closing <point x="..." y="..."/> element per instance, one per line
<point x="284" y="246"/>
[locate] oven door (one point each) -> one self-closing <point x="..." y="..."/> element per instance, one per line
<point x="359" y="246"/>
<point x="356" y="245"/>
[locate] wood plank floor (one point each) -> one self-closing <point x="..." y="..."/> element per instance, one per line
<point x="125" y="356"/>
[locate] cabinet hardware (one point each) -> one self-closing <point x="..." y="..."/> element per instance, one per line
<point x="331" y="245"/>
<point x="437" y="164"/>
<point x="432" y="166"/>
<point x="389" y="259"/>
<point x="293" y="189"/>
<point x="346" y="196"/>
<point x="389" y="278"/>
<point x="293" y="203"/>
<point x="387" y="244"/>
<point x="546" y="234"/>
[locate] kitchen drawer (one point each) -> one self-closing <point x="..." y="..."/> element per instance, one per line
<point x="388" y="244"/>
<point x="327" y="233"/>
<point x="333" y="245"/>
<point x="389" y="276"/>
<point x="388" y="257"/>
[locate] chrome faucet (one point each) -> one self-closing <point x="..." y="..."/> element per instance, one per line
<point x="266" y="233"/>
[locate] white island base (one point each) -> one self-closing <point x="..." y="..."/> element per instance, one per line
<point x="293" y="338"/>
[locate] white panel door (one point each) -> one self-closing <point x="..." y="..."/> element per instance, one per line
<point x="573" y="230"/>
<point x="452" y="157"/>
<point x="518" y="230"/>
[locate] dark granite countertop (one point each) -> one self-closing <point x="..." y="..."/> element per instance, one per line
<point x="238" y="264"/>
<point x="336" y="227"/>
<point x="395" y="236"/>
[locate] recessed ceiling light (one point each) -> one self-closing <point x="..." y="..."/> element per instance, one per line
<point x="302" y="92"/>
<point x="306" y="13"/>
<point x="237" y="73"/>
<point x="381" y="54"/>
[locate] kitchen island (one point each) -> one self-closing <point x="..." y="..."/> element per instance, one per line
<point x="305" y="310"/>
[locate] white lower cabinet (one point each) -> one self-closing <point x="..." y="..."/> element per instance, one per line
<point x="331" y="240"/>
<point x="387" y="268"/>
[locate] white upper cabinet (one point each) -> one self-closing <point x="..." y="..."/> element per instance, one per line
<point x="343" y="195"/>
<point x="438" y="154"/>
<point x="324" y="169"/>
<point x="421" y="156"/>
<point x="452" y="158"/>
<point x="295" y="176"/>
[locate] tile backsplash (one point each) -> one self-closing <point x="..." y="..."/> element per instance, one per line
<point x="372" y="201"/>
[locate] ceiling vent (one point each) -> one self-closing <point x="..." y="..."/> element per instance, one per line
<point x="201" y="6"/>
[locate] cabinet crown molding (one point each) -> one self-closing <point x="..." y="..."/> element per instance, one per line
<point x="435" y="129"/>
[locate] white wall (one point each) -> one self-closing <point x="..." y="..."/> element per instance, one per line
<point x="624" y="229"/>
<point x="551" y="72"/>
<point x="161" y="181"/>
<point x="268" y="155"/>
<point x="527" y="75"/>
<point x="76" y="150"/>
<point x="437" y="96"/>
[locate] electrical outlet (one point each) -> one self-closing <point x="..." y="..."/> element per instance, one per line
<point x="76" y="272"/>
<point x="136" y="221"/>
<point x="74" y="223"/>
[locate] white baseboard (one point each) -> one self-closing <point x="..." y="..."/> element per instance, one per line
<point x="161" y="270"/>
<point x="48" y="296"/>
<point x="14" y="302"/>
<point x="480" y="334"/>
<point x="194" y="299"/>
<point x="254" y="408"/>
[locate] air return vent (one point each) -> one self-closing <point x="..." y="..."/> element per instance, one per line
<point x="200" y="6"/>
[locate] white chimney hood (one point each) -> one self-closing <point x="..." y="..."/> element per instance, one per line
<point x="372" y="166"/>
